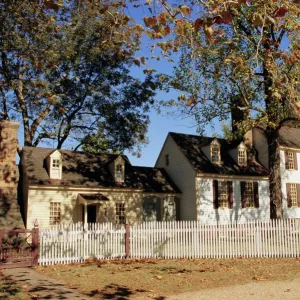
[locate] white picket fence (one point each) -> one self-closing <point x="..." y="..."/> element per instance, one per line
<point x="70" y="243"/>
<point x="182" y="239"/>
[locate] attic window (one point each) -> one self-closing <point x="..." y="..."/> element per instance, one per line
<point x="55" y="172"/>
<point x="119" y="173"/>
<point x="242" y="157"/>
<point x="215" y="152"/>
<point x="55" y="163"/>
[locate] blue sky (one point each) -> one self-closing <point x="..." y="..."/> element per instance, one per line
<point x="163" y="123"/>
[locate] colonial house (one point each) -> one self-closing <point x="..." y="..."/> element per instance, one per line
<point x="289" y="166"/>
<point x="207" y="179"/>
<point x="62" y="186"/>
<point x="221" y="181"/>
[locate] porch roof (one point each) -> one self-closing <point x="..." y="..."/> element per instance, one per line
<point x="94" y="197"/>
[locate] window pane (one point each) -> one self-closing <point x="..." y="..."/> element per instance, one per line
<point x="55" y="163"/>
<point x="54" y="213"/>
<point x="119" y="173"/>
<point x="120" y="213"/>
<point x="290" y="157"/>
<point x="215" y="153"/>
<point x="242" y="158"/>
<point x="249" y="194"/>
<point x="294" y="195"/>
<point x="222" y="194"/>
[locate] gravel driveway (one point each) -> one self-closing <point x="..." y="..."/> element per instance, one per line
<point x="262" y="290"/>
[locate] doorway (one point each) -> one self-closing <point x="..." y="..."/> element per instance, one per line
<point x="92" y="213"/>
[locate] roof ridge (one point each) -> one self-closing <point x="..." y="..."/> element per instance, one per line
<point x="198" y="136"/>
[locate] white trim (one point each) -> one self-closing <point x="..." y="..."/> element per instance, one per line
<point x="88" y="188"/>
<point x="245" y="177"/>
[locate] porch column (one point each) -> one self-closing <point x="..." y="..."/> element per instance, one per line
<point x="85" y="213"/>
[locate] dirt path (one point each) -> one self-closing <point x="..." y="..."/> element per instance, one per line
<point x="267" y="290"/>
<point x="40" y="286"/>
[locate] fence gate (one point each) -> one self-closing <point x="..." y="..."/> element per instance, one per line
<point x="18" y="248"/>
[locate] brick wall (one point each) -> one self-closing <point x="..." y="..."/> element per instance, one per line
<point x="9" y="209"/>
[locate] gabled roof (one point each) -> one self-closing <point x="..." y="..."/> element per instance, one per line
<point x="191" y="146"/>
<point x="91" y="170"/>
<point x="289" y="137"/>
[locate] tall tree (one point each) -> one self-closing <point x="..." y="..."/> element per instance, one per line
<point x="243" y="54"/>
<point x="64" y="72"/>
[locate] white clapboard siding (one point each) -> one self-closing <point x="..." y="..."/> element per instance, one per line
<point x="170" y="240"/>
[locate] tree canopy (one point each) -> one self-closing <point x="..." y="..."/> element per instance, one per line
<point x="239" y="54"/>
<point x="64" y="73"/>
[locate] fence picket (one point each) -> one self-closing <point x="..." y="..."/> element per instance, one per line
<point x="182" y="239"/>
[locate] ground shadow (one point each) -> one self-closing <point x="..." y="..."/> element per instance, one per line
<point x="8" y="288"/>
<point x="117" y="292"/>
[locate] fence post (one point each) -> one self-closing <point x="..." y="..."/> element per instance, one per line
<point x="127" y="235"/>
<point x="35" y="246"/>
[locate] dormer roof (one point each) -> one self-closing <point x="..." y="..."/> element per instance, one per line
<point x="55" y="154"/>
<point x="192" y="147"/>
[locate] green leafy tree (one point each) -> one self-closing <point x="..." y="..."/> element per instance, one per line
<point x="243" y="54"/>
<point x="64" y="72"/>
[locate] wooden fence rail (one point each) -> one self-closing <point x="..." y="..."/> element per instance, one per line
<point x="181" y="239"/>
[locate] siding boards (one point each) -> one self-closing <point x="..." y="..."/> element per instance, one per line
<point x="71" y="212"/>
<point x="183" y="174"/>
<point x="288" y="177"/>
<point x="210" y="215"/>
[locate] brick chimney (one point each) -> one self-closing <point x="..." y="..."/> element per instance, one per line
<point x="10" y="215"/>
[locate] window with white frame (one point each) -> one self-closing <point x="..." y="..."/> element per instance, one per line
<point x="293" y="195"/>
<point x="249" y="194"/>
<point x="215" y="153"/>
<point x="55" y="163"/>
<point x="242" y="157"/>
<point x="120" y="213"/>
<point x="56" y="168"/>
<point x="119" y="172"/>
<point x="291" y="161"/>
<point x="222" y="194"/>
<point x="55" y="213"/>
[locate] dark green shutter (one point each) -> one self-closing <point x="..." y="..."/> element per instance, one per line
<point x="256" y="195"/>
<point x="215" y="194"/>
<point x="230" y="194"/>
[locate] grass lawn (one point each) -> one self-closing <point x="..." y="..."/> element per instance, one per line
<point x="155" y="279"/>
<point x="9" y="290"/>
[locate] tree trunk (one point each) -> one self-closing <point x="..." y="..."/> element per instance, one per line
<point x="275" y="176"/>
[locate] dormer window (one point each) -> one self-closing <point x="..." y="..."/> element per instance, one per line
<point x="215" y="150"/>
<point x="242" y="155"/>
<point x="55" y="172"/>
<point x="119" y="172"/>
<point x="54" y="164"/>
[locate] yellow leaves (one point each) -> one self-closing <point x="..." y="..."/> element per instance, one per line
<point x="166" y="30"/>
<point x="208" y="30"/>
<point x="137" y="61"/>
<point x="150" y="21"/>
<point x="185" y="10"/>
<point x="257" y="20"/>
<point x="190" y="101"/>
<point x="276" y="95"/>
<point x="162" y="18"/>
